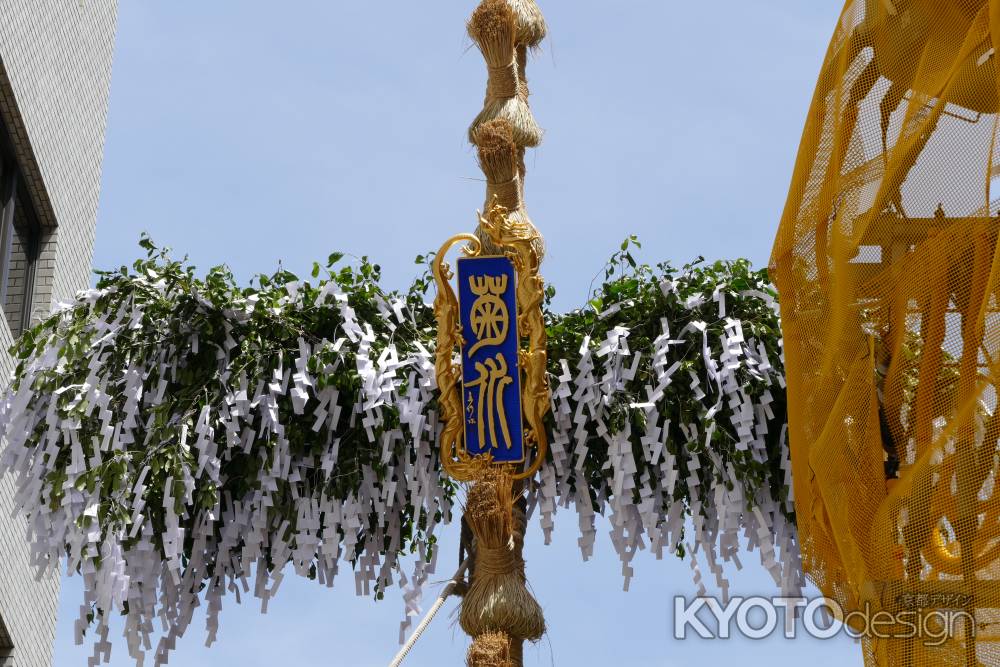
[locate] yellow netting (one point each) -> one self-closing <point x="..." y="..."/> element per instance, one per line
<point x="887" y="265"/>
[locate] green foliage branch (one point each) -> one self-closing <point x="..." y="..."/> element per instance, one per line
<point x="175" y="435"/>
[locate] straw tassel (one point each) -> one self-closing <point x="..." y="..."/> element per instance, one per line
<point x="494" y="29"/>
<point x="498" y="600"/>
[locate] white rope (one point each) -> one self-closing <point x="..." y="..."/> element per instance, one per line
<point x="445" y="592"/>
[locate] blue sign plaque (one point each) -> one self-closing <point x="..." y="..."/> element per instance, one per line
<point x="491" y="381"/>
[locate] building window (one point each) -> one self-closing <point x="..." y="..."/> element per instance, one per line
<point x="20" y="242"/>
<point x="6" y="647"/>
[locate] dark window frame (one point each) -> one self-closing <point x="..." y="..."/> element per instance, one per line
<point x="6" y="644"/>
<point x="12" y="194"/>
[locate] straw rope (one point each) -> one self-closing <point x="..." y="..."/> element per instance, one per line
<point x="503" y="82"/>
<point x="496" y="561"/>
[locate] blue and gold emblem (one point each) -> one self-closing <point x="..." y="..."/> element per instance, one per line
<point x="493" y="394"/>
<point x="490" y="377"/>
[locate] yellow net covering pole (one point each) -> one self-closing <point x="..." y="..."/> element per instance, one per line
<point x="887" y="263"/>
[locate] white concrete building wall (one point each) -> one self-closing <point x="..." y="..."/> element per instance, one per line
<point x="55" y="73"/>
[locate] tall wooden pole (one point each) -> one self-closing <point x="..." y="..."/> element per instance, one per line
<point x="505" y="31"/>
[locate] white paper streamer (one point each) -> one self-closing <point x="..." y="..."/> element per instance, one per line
<point x="242" y="543"/>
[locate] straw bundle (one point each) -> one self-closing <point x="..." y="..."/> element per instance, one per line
<point x="493" y="27"/>
<point x="531" y="28"/>
<point x="493" y="649"/>
<point x="500" y="159"/>
<point x="498" y="599"/>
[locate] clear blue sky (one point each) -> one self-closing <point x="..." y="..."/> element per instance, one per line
<point x="251" y="132"/>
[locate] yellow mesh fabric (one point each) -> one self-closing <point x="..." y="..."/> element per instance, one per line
<point x="887" y="266"/>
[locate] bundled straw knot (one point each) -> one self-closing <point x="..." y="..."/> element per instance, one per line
<point x="503" y="82"/>
<point x="496" y="561"/>
<point x="507" y="194"/>
<point x="498" y="599"/>
<point x="494" y="29"/>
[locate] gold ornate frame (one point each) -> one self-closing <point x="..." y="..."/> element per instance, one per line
<point x="521" y="244"/>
